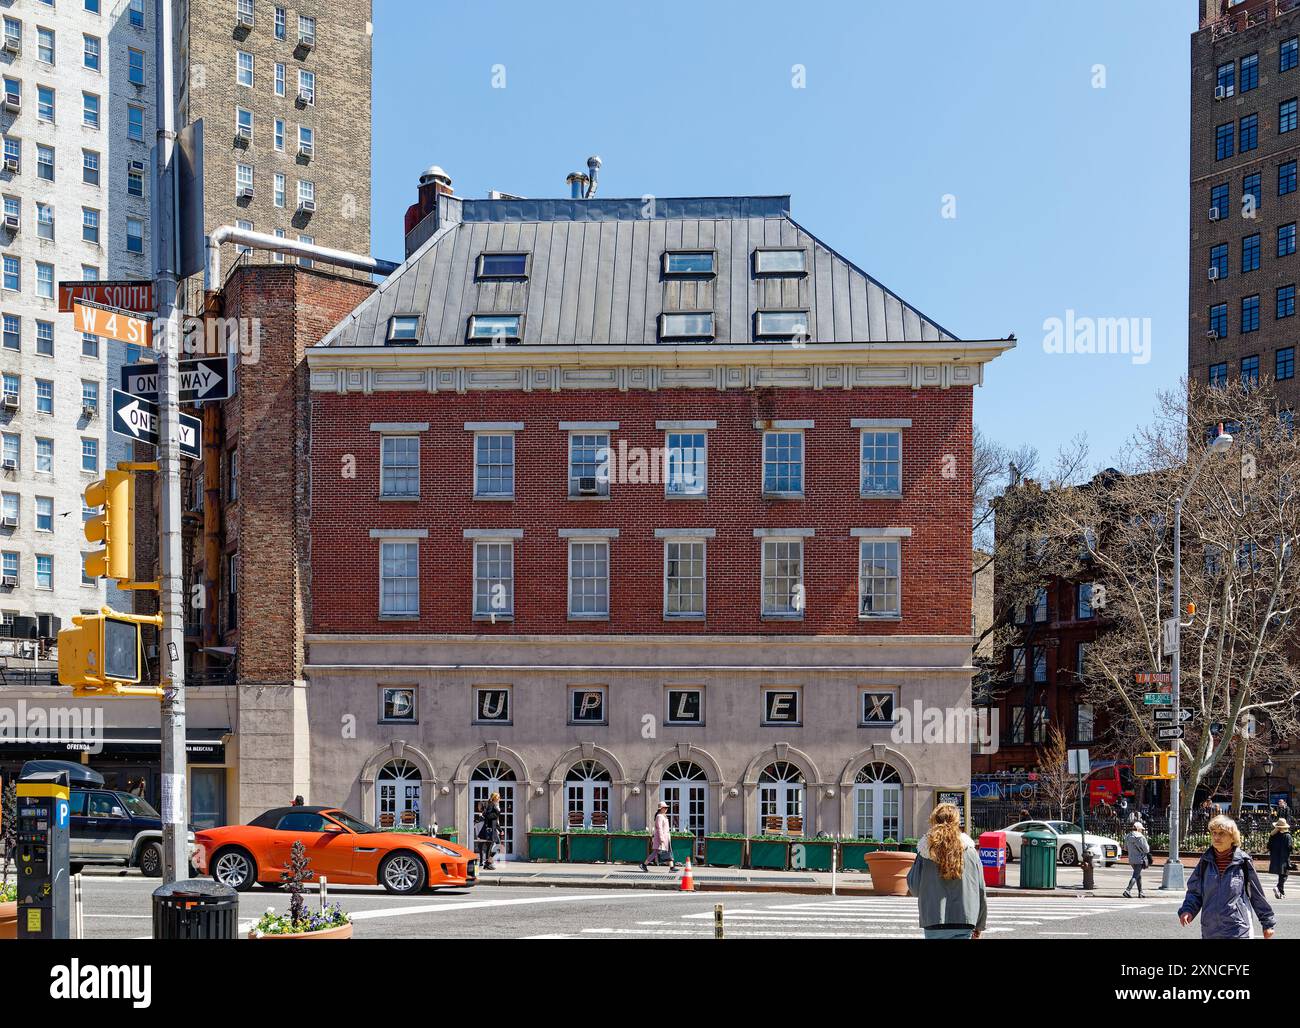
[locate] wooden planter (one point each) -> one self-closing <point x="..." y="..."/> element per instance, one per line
<point x="9" y="920"/>
<point x="723" y="852"/>
<point x="628" y="849"/>
<point x="889" y="871"/>
<point x="546" y="846"/>
<point x="811" y="854"/>
<point x="769" y="854"/>
<point x="588" y="848"/>
<point x="343" y="931"/>
<point x="853" y="854"/>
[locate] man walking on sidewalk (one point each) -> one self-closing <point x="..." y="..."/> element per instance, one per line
<point x="661" y="840"/>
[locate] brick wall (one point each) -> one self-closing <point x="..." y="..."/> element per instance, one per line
<point x="295" y="309"/>
<point x="936" y="560"/>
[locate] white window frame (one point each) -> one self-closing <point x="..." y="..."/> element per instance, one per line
<point x="243" y="67"/>
<point x="872" y="432"/>
<point x="498" y="434"/>
<point x="684" y="540"/>
<point x="383" y="465"/>
<point x="587" y="541"/>
<point x="892" y="540"/>
<point x="702" y="493"/>
<point x="798" y="612"/>
<point x="803" y="463"/>
<point x="384" y="543"/>
<point x="603" y="489"/>
<point x="508" y="613"/>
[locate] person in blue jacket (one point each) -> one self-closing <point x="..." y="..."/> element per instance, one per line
<point x="1224" y="887"/>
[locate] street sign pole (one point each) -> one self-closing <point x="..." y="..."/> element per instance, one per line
<point x="171" y="647"/>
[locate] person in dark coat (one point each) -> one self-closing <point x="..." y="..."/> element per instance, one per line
<point x="1224" y="888"/>
<point x="490" y="833"/>
<point x="1280" y="845"/>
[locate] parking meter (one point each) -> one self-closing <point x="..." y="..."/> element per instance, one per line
<point x="43" y="820"/>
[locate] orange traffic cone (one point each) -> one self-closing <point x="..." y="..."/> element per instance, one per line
<point x="688" y="882"/>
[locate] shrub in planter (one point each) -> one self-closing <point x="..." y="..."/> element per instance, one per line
<point x="449" y="834"/>
<point x="330" y="923"/>
<point x="769" y="852"/>
<point x="588" y="845"/>
<point x="546" y="844"/>
<point x="909" y="845"/>
<point x="724" y="849"/>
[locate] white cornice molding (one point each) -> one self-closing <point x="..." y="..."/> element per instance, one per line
<point x="434" y="369"/>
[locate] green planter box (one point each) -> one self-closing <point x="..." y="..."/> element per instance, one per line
<point x="450" y="834"/>
<point x="547" y="846"/>
<point x="587" y="848"/>
<point x="816" y="854"/>
<point x="724" y="852"/>
<point x="629" y="849"/>
<point x="853" y="854"/>
<point x="769" y="854"/>
<point x="683" y="848"/>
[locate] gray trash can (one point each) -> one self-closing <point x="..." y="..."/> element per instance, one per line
<point x="195" y="909"/>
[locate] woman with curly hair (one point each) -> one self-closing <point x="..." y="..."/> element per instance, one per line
<point x="947" y="879"/>
<point x="1224" y="887"/>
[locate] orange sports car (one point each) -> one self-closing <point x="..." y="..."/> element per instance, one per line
<point x="342" y="848"/>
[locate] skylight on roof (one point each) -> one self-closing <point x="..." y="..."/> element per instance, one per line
<point x="693" y="325"/>
<point x="780" y="262"/>
<point x="503" y="265"/>
<point x="690" y="262"/>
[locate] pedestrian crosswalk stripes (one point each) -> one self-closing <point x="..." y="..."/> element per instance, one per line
<point x="874" y="917"/>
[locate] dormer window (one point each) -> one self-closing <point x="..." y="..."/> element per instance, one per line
<point x="690" y="262"/>
<point x="781" y="325"/>
<point x="778" y="261"/>
<point x="496" y="328"/>
<point x="503" y="265"/>
<point x="404" y="329"/>
<point x="695" y="325"/>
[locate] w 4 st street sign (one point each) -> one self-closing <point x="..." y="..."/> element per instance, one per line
<point x="138" y="419"/>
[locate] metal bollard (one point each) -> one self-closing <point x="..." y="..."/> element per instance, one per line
<point x="717" y="921"/>
<point x="324" y="893"/>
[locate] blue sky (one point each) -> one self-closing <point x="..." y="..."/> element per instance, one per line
<point x="1068" y="197"/>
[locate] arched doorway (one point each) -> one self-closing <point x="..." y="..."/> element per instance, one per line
<point x="878" y="803"/>
<point x="499" y="777"/>
<point x="587" y="788"/>
<point x="781" y="799"/>
<point x="397" y="796"/>
<point x="685" y="788"/>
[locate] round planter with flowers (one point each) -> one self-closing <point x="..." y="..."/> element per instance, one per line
<point x="327" y="923"/>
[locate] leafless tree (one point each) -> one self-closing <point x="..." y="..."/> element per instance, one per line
<point x="1241" y="583"/>
<point x="1055" y="783"/>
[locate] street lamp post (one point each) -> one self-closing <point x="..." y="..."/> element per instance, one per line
<point x="1174" y="877"/>
<point x="1268" y="789"/>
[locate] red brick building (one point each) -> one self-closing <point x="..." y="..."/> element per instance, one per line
<point x="610" y="503"/>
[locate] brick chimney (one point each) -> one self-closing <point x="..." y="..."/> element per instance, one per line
<point x="433" y="183"/>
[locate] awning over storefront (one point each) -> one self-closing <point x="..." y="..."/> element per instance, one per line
<point x="202" y="745"/>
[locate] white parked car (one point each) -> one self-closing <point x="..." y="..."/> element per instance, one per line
<point x="1104" y="851"/>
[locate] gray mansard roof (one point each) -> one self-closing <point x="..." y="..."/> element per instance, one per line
<point x="595" y="275"/>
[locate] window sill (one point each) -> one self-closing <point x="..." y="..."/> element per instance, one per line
<point x="782" y="496"/>
<point x="399" y="499"/>
<point x="495" y="499"/>
<point x="782" y="617"/>
<point x="399" y="617"/>
<point x="588" y="724"/>
<point x="671" y="618"/>
<point x="782" y="724"/>
<point x="686" y="496"/>
<point x="588" y="617"/>
<point x="684" y="724"/>
<point x="880" y="617"/>
<point x="489" y="619"/>
<point x="398" y="721"/>
<point x="588" y="499"/>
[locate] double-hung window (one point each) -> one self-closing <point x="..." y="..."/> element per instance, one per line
<point x="783" y="592"/>
<point x="686" y="463"/>
<point x="882" y="462"/>
<point x="879" y="578"/>
<point x="589" y="463"/>
<point x="783" y="463"/>
<point x="400" y="470"/>
<point x="588" y="578"/>
<point x="494" y="579"/>
<point x="90" y="110"/>
<point x="243" y="68"/>
<point x="399" y="579"/>
<point x="684" y="578"/>
<point x="494" y="465"/>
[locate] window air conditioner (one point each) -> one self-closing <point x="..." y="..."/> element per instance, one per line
<point x="1214" y="214"/>
<point x="587" y="486"/>
<point x="1214" y="272"/>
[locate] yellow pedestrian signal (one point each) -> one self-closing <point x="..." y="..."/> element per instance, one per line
<point x="114" y="527"/>
<point x="101" y="655"/>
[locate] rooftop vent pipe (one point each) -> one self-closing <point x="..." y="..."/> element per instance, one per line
<point x="262" y="241"/>
<point x="583" y="187"/>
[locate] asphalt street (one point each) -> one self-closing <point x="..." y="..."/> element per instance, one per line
<point x="118" y="907"/>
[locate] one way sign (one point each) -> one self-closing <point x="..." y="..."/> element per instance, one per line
<point x="138" y="419"/>
<point x="207" y="378"/>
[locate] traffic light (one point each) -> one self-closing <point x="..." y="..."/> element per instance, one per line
<point x="102" y="654"/>
<point x="114" y="527"/>
<point x="1156" y="766"/>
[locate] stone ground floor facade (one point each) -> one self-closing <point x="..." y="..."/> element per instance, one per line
<point x="593" y="731"/>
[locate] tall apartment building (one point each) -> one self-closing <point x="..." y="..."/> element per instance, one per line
<point x="284" y="94"/>
<point x="77" y="123"/>
<point x="1245" y="194"/>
